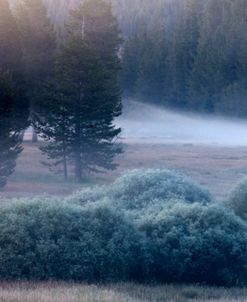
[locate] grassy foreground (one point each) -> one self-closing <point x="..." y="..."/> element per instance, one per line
<point x="65" y="292"/>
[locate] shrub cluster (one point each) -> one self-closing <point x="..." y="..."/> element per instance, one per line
<point x="139" y="188"/>
<point x="196" y="244"/>
<point x="237" y="199"/>
<point x="145" y="191"/>
<point x="48" y="240"/>
<point x="88" y="195"/>
<point x="180" y="235"/>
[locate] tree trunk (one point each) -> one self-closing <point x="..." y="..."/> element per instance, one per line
<point x="78" y="163"/>
<point x="78" y="170"/>
<point x="21" y="135"/>
<point x="65" y="169"/>
<point x="34" y="136"/>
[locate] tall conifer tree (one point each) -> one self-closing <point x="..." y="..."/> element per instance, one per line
<point x="85" y="94"/>
<point x="13" y="103"/>
<point x="10" y="44"/>
<point x="39" y="45"/>
<point x="13" y="119"/>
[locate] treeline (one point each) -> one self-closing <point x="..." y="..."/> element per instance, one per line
<point x="67" y="89"/>
<point x="191" y="54"/>
<point x="187" y="54"/>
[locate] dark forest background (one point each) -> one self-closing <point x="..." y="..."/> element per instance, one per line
<point x="187" y="54"/>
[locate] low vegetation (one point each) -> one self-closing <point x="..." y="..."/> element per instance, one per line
<point x="64" y="292"/>
<point x="43" y="240"/>
<point x="197" y="244"/>
<point x="180" y="234"/>
<point x="237" y="199"/>
<point x="145" y="190"/>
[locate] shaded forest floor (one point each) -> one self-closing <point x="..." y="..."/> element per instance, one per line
<point x="216" y="167"/>
<point x="65" y="292"/>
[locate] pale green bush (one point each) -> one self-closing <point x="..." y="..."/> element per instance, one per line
<point x="150" y="225"/>
<point x="237" y="199"/>
<point x="88" y="195"/>
<point x="50" y="240"/>
<point x="140" y="189"/>
<point x="197" y="244"/>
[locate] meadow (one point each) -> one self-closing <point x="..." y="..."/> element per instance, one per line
<point x="216" y="167"/>
<point x="65" y="292"/>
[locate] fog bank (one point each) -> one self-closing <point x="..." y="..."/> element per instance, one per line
<point x="148" y="123"/>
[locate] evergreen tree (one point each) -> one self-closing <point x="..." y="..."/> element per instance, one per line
<point x="84" y="97"/>
<point x="13" y="119"/>
<point x="39" y="45"/>
<point x="189" y="54"/>
<point x="10" y="45"/>
<point x="13" y="103"/>
<point x="208" y="77"/>
<point x="181" y="54"/>
<point x="38" y="42"/>
<point x="131" y="64"/>
<point x="204" y="48"/>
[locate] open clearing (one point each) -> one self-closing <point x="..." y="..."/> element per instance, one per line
<point x="214" y="166"/>
<point x="66" y="292"/>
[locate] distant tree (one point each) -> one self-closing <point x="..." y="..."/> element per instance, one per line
<point x="13" y="102"/>
<point x="208" y="76"/>
<point x="39" y="45"/>
<point x="149" y="84"/>
<point x="53" y="122"/>
<point x="13" y="119"/>
<point x="85" y="96"/>
<point x="131" y="61"/>
<point x="181" y="54"/>
<point x="38" y="41"/>
<point x="10" y="44"/>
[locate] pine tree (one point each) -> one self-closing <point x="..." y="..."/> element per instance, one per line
<point x="39" y="45"/>
<point x="206" y="76"/>
<point x="10" y="45"/>
<point x="131" y="64"/>
<point x="149" y="84"/>
<point x="13" y="119"/>
<point x="13" y="102"/>
<point x="85" y="97"/>
<point x="181" y="55"/>
<point x="38" y="41"/>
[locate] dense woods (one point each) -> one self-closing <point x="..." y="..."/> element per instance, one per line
<point x="14" y="105"/>
<point x="66" y="87"/>
<point x="192" y="55"/>
<point x="188" y="54"/>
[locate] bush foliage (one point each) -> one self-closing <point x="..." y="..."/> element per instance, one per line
<point x="47" y="240"/>
<point x="138" y="189"/>
<point x="237" y="199"/>
<point x="180" y="234"/>
<point x="89" y="195"/>
<point x="197" y="244"/>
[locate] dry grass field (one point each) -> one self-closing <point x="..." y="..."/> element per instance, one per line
<point x="214" y="166"/>
<point x="65" y="292"/>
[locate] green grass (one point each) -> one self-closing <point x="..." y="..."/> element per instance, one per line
<point x="69" y="292"/>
